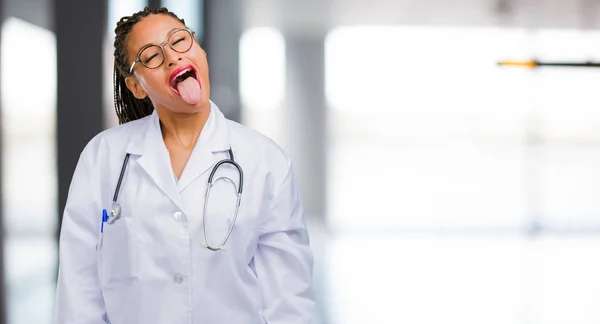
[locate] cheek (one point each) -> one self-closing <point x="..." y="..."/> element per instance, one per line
<point x="203" y="67"/>
<point x="199" y="59"/>
<point x="153" y="84"/>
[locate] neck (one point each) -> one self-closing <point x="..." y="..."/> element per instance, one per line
<point x="184" y="128"/>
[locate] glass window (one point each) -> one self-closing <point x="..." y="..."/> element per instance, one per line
<point x="262" y="79"/>
<point x="429" y="136"/>
<point x="29" y="183"/>
<point x="435" y="135"/>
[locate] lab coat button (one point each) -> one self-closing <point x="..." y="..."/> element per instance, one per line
<point x="178" y="279"/>
<point x="178" y="216"/>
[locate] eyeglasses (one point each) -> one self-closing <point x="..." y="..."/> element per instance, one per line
<point x="153" y="56"/>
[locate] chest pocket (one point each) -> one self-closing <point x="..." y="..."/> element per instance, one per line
<point x="118" y="252"/>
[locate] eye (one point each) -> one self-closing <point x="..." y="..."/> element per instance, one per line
<point x="147" y="60"/>
<point x="179" y="40"/>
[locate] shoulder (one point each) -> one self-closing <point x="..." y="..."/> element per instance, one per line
<point x="260" y="145"/>
<point x="112" y="139"/>
<point x="264" y="153"/>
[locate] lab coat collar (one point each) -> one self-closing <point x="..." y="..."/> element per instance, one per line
<point x="155" y="160"/>
<point x="214" y="134"/>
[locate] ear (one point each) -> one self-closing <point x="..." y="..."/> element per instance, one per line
<point x="135" y="87"/>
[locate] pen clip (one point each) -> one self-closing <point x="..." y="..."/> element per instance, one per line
<point x="104" y="220"/>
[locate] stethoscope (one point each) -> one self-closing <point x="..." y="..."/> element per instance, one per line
<point x="115" y="212"/>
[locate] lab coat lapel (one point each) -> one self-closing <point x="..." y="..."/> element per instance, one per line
<point x="212" y="140"/>
<point x="154" y="158"/>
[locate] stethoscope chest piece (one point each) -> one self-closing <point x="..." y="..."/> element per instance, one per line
<point x="114" y="214"/>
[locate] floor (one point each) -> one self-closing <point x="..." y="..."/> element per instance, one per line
<point x="399" y="278"/>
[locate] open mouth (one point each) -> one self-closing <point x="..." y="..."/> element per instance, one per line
<point x="180" y="75"/>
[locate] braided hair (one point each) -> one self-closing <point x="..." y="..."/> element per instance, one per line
<point x="127" y="106"/>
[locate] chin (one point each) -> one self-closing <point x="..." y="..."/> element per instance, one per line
<point x="201" y="106"/>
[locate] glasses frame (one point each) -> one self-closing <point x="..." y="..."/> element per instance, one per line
<point x="161" y="46"/>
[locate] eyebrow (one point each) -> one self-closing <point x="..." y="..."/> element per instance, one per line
<point x="150" y="44"/>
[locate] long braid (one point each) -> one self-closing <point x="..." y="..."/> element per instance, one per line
<point x="127" y="106"/>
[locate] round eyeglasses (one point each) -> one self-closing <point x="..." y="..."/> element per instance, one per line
<point x="153" y="56"/>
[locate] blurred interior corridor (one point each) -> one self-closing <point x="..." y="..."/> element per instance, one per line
<point x="439" y="187"/>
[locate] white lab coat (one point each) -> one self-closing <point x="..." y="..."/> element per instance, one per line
<point x="150" y="266"/>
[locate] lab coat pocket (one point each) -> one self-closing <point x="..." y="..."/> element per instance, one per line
<point x="119" y="252"/>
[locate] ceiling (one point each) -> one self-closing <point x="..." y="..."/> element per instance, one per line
<point x="37" y="12"/>
<point x="317" y="16"/>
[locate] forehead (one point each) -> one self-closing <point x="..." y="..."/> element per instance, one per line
<point x="152" y="29"/>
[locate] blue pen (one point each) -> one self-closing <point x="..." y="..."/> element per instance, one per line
<point x="104" y="219"/>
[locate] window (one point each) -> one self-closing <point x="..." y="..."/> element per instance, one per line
<point x="262" y="79"/>
<point x="29" y="183"/>
<point x="430" y="137"/>
<point x="436" y="136"/>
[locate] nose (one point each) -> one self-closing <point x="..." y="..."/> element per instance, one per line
<point x="173" y="61"/>
<point x="171" y="57"/>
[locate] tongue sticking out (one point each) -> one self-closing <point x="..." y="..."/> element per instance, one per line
<point x="189" y="89"/>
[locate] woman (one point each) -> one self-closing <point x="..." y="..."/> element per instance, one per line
<point x="140" y="242"/>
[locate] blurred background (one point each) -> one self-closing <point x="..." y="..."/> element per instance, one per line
<point x="439" y="187"/>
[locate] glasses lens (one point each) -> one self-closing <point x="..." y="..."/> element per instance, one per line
<point x="181" y="41"/>
<point x="152" y="57"/>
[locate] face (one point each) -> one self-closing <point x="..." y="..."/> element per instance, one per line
<point x="161" y="84"/>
